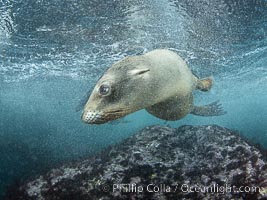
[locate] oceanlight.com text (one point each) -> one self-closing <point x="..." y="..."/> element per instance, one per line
<point x="184" y="188"/>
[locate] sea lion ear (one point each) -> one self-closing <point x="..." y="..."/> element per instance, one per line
<point x="138" y="71"/>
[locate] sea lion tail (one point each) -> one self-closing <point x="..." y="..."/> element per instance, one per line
<point x="204" y="84"/>
<point x="212" y="109"/>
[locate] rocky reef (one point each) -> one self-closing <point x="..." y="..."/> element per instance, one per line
<point x="203" y="162"/>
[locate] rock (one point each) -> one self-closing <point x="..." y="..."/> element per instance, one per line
<point x="160" y="163"/>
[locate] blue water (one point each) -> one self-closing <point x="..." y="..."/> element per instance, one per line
<point x="52" y="52"/>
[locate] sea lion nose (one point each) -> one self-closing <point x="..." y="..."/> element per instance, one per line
<point x="91" y="117"/>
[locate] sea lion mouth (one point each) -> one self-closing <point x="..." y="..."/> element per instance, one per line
<point x="97" y="117"/>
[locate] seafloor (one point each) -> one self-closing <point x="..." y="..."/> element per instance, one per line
<point x="190" y="162"/>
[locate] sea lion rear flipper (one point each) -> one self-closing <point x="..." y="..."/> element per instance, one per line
<point x="204" y="84"/>
<point x="212" y="109"/>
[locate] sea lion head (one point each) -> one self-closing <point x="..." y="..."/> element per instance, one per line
<point x="120" y="91"/>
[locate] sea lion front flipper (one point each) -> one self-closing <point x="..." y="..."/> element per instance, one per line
<point x="204" y="84"/>
<point x="212" y="109"/>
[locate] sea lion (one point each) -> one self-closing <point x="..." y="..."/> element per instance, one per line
<point x="158" y="81"/>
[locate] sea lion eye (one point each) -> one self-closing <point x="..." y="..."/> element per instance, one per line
<point x="104" y="90"/>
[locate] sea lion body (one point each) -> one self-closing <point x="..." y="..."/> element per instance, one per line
<point x="173" y="83"/>
<point x="158" y="81"/>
